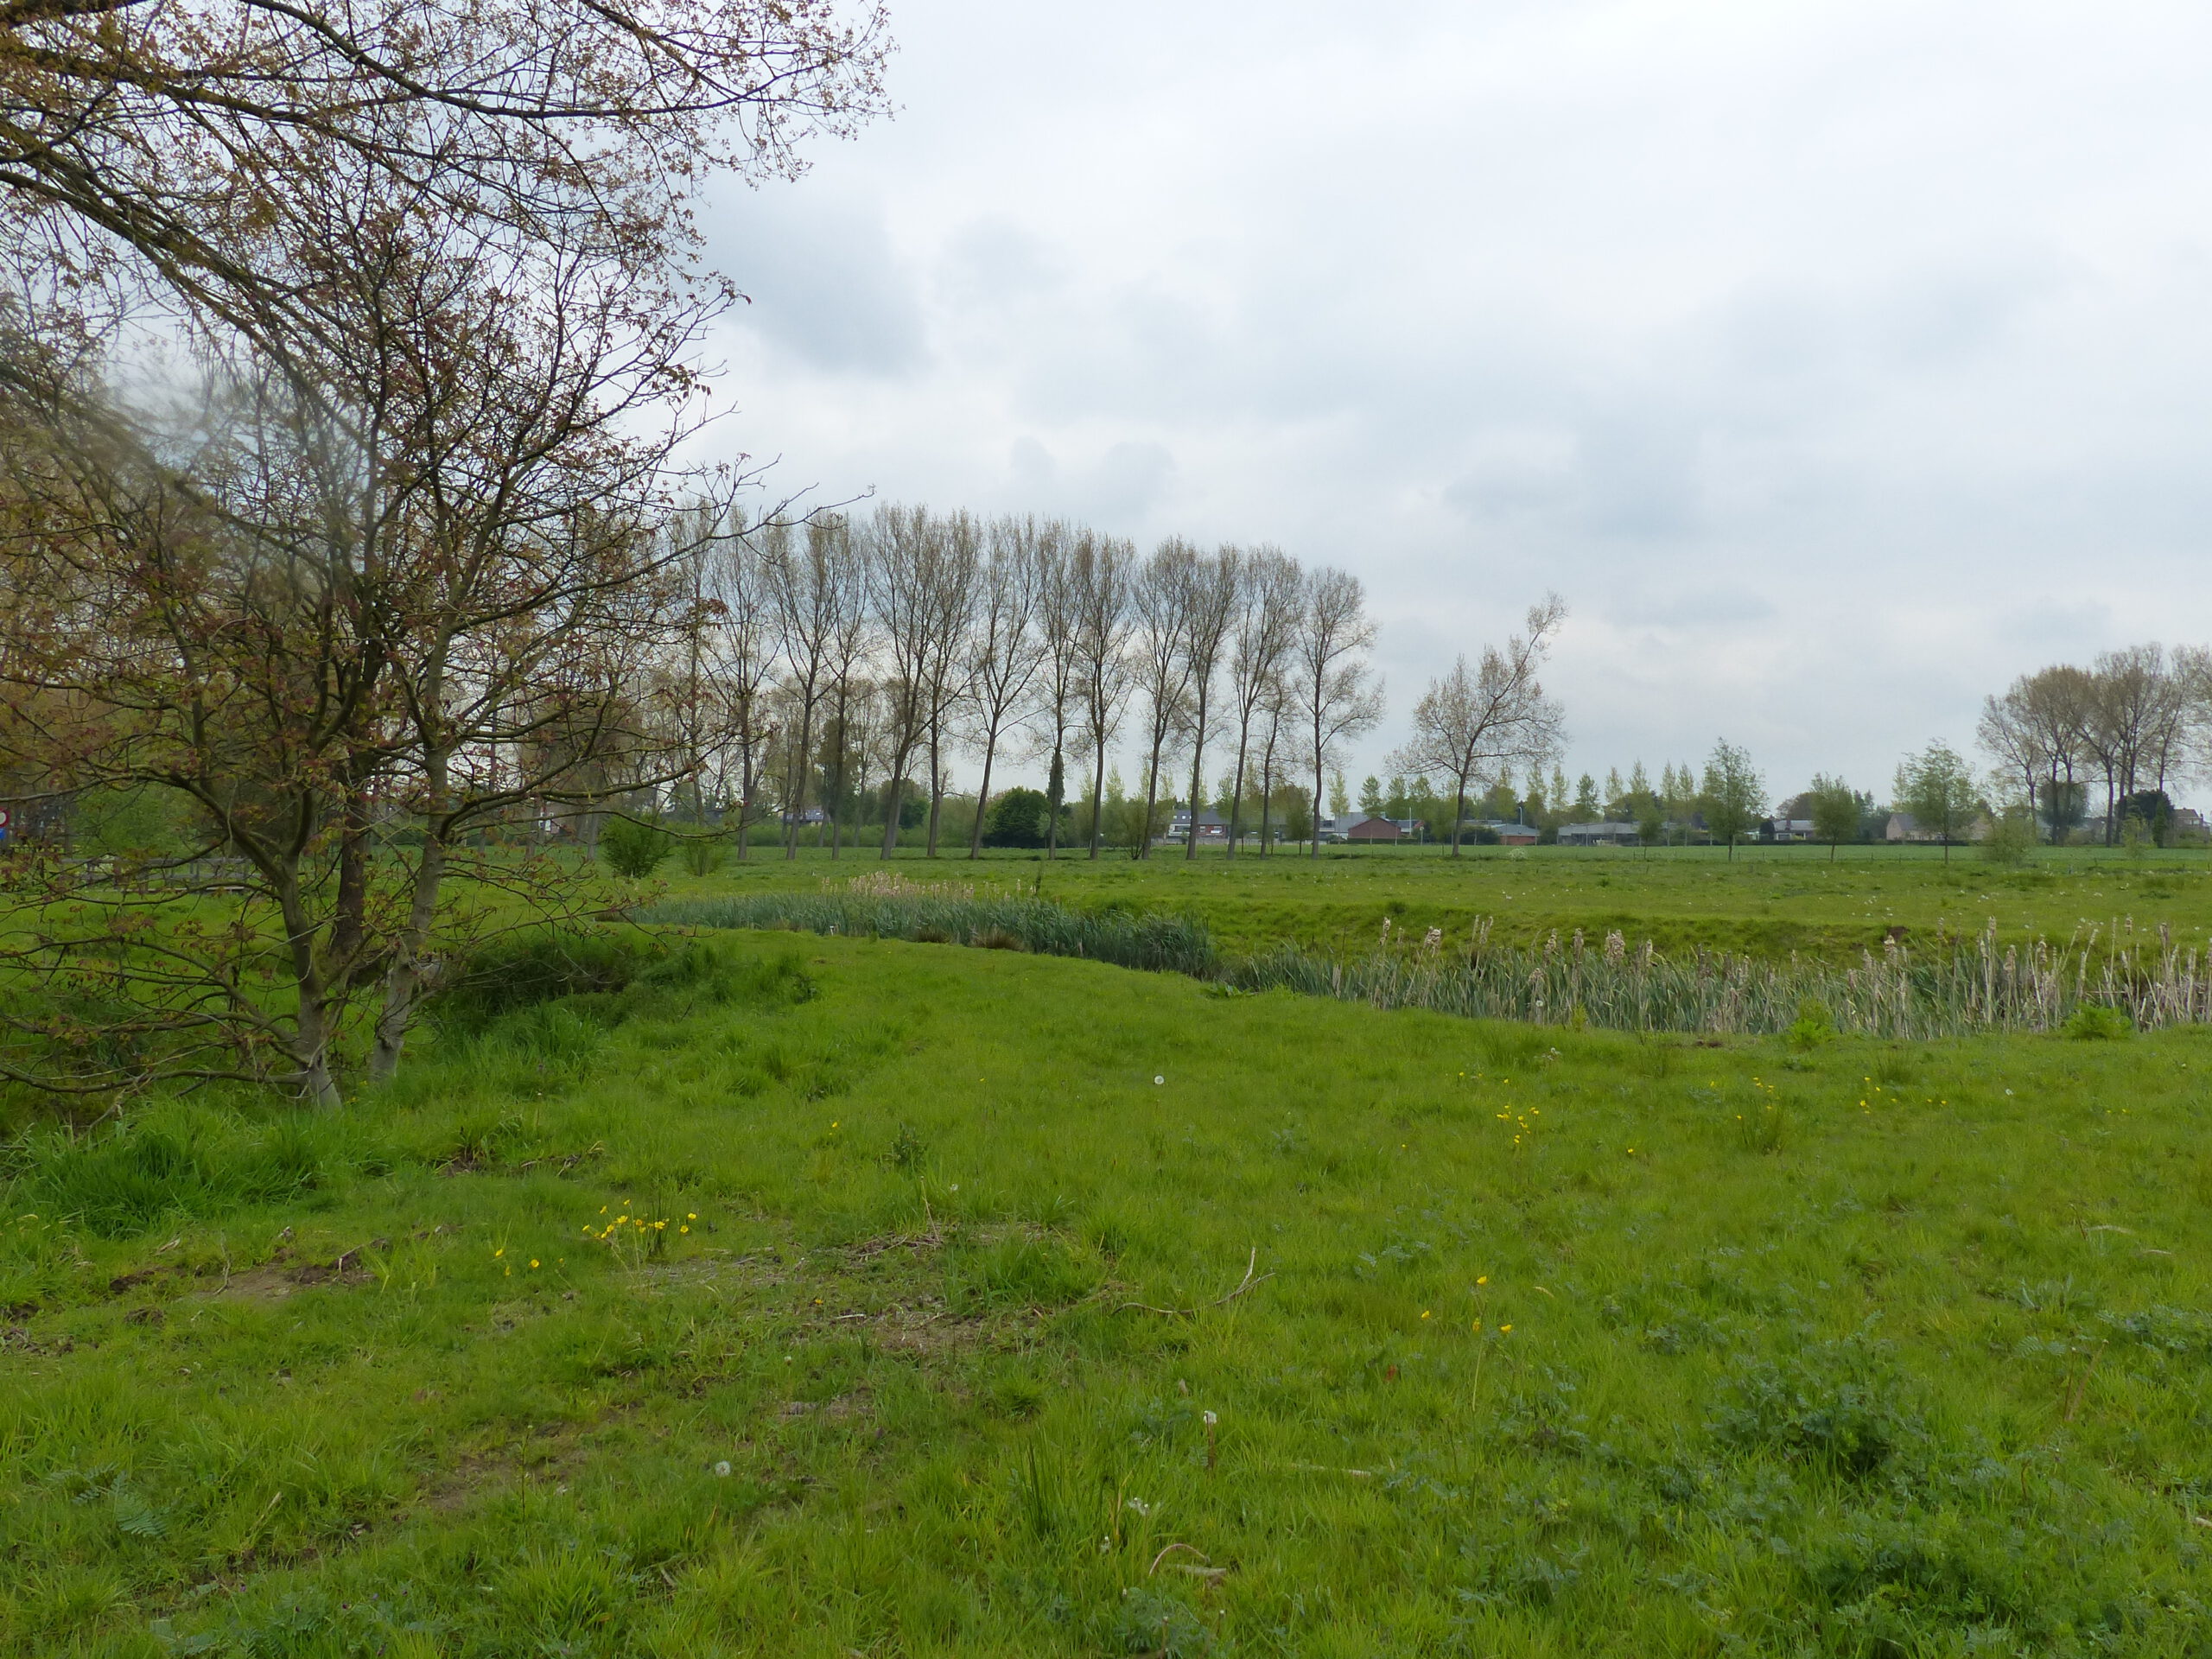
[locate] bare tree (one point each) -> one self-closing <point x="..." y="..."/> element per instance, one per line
<point x="2057" y="702"/>
<point x="354" y="664"/>
<point x="1217" y="590"/>
<point x="189" y="145"/>
<point x="1103" y="577"/>
<point x="1164" y="598"/>
<point x="922" y="579"/>
<point x="852" y="700"/>
<point x="2009" y="734"/>
<point x="955" y="583"/>
<point x="1265" y="623"/>
<point x="1470" y="726"/>
<point x="1277" y="714"/>
<point x="1328" y="666"/>
<point x="736" y="645"/>
<point x="808" y="576"/>
<point x="1059" y="632"/>
<point x="1008" y="648"/>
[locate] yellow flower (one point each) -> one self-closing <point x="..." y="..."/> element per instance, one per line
<point x="1482" y="1280"/>
<point x="533" y="1261"/>
<point x="1424" y="1313"/>
<point x="692" y="1215"/>
<point x="496" y="1254"/>
<point x="1504" y="1328"/>
<point x="684" y="1229"/>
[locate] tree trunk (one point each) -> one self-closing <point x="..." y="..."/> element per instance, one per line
<point x="1151" y="792"/>
<point x="795" y="809"/>
<point x="982" y="794"/>
<point x="1317" y="798"/>
<point x="1098" y="799"/>
<point x="1197" y="782"/>
<point x="1057" y="785"/>
<point x="403" y="980"/>
<point x="937" y="786"/>
<point x="1236" y="790"/>
<point x="1458" y="813"/>
<point x="894" y="792"/>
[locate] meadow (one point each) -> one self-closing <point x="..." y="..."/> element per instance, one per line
<point x="741" y="1292"/>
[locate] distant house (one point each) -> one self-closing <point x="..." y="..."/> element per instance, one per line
<point x="1509" y="833"/>
<point x="1786" y="829"/>
<point x="1608" y="834"/>
<point x="1212" y="827"/>
<point x="1904" y="827"/>
<point x="1377" y="830"/>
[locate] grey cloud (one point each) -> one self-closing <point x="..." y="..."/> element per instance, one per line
<point x="993" y="260"/>
<point x="825" y="286"/>
<point x="1692" y="608"/>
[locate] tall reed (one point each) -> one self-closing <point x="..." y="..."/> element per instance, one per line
<point x="1960" y="986"/>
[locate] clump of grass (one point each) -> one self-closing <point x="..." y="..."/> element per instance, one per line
<point x="118" y="1182"/>
<point x="605" y="975"/>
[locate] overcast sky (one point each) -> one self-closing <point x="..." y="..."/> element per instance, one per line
<point x="1836" y="362"/>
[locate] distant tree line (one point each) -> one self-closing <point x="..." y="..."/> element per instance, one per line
<point x="844" y="663"/>
<point x="2123" y="727"/>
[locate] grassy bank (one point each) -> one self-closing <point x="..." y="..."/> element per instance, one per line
<point x="1768" y="902"/>
<point x="1948" y="987"/>
<point x="1552" y="1342"/>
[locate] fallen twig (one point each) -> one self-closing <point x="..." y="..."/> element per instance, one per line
<point x="2082" y="1385"/>
<point x="1170" y="1550"/>
<point x="1186" y="1313"/>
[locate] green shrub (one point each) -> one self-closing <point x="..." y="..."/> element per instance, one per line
<point x="1813" y="1026"/>
<point x="1017" y="819"/>
<point x="2011" y="838"/>
<point x="633" y="848"/>
<point x="2094" y="1022"/>
<point x="702" y="854"/>
<point x="120" y="1184"/>
<point x="539" y="965"/>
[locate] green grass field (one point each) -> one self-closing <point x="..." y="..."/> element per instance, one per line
<point x="1766" y="901"/>
<point x="1551" y="1341"/>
